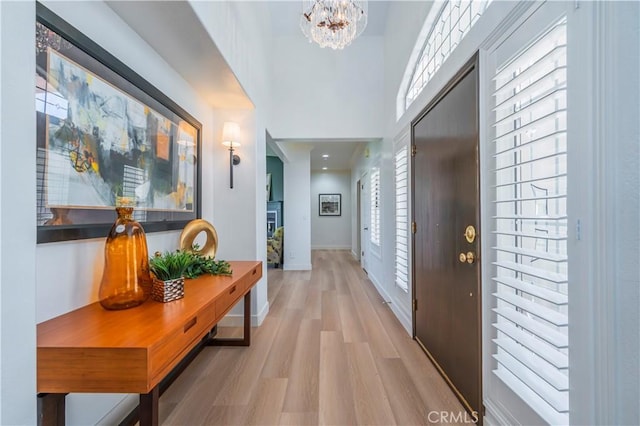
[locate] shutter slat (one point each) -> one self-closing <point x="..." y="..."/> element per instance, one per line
<point x="530" y="235"/>
<point x="551" y="116"/>
<point x="537" y="346"/>
<point x="541" y="330"/>
<point x="557" y="399"/>
<point x="525" y="110"/>
<point x="534" y="272"/>
<point x="541" y="218"/>
<point x="531" y="143"/>
<point x="507" y="68"/>
<point x="538" y="254"/>
<point x="548" y="413"/>
<point x="534" y="290"/>
<point x="555" y="318"/>
<point x="534" y="160"/>
<point x="536" y="364"/>
<point x="545" y="197"/>
<point x="514" y="98"/>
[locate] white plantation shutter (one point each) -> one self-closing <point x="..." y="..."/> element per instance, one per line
<point x="375" y="206"/>
<point x="402" y="218"/>
<point x="530" y="225"/>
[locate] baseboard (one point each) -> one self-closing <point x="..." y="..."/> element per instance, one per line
<point x="379" y="287"/>
<point x="296" y="267"/>
<point x="402" y="316"/>
<point x="496" y="415"/>
<point x="331" y="247"/>
<point x="237" y="320"/>
<point x="355" y="256"/>
<point x="120" y="411"/>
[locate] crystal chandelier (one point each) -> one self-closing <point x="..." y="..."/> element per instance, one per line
<point x="333" y="23"/>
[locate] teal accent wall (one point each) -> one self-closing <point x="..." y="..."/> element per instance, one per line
<point x="274" y="166"/>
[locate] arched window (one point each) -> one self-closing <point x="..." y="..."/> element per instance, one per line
<point x="446" y="25"/>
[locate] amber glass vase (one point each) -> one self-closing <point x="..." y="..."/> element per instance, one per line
<point x="126" y="282"/>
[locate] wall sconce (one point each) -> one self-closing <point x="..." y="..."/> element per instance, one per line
<point x="230" y="133"/>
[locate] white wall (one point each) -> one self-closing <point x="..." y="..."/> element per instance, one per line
<point x="297" y="205"/>
<point x="1" y="117"/>
<point x="622" y="203"/>
<point x="66" y="275"/>
<point x="242" y="35"/>
<point x="17" y="220"/>
<point x="322" y="93"/>
<point x="238" y="215"/>
<point x="241" y="32"/>
<point x="331" y="232"/>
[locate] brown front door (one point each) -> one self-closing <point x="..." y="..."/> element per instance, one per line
<point x="446" y="271"/>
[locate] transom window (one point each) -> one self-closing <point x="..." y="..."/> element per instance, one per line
<point x="451" y="21"/>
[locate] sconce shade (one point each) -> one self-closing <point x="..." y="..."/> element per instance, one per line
<point x="231" y="144"/>
<point x="230" y="132"/>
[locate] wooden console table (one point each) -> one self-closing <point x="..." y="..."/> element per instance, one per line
<point x="131" y="351"/>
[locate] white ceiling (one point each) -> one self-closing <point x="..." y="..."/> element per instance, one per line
<point x="285" y="18"/>
<point x="189" y="43"/>
<point x="340" y="155"/>
<point x="184" y="45"/>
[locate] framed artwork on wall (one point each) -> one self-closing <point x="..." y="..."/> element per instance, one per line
<point x="330" y="204"/>
<point x="105" y="133"/>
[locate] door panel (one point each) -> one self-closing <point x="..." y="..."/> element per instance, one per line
<point x="446" y="201"/>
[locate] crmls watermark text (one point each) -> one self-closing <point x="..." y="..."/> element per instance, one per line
<point x="444" y="417"/>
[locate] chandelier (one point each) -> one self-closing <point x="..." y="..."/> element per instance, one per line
<point x="333" y="23"/>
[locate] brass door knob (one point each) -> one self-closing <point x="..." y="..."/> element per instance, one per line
<point x="470" y="257"/>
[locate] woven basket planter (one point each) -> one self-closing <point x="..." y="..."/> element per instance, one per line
<point x="167" y="291"/>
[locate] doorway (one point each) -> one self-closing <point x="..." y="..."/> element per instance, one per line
<point x="446" y="245"/>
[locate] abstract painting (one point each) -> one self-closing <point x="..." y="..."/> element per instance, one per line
<point x="101" y="138"/>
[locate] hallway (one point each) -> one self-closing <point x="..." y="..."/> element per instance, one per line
<point x="329" y="352"/>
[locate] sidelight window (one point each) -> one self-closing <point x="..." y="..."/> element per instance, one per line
<point x="402" y="217"/>
<point x="375" y="206"/>
<point x="530" y="225"/>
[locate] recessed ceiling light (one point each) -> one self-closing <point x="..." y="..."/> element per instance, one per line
<point x="325" y="155"/>
<point x="324" y="168"/>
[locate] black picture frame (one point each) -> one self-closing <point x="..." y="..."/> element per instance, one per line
<point x="330" y="204"/>
<point x="170" y="180"/>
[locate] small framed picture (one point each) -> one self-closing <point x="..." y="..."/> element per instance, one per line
<point x="330" y="204"/>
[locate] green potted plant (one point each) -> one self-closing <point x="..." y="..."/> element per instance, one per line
<point x="169" y="270"/>
<point x="201" y="265"/>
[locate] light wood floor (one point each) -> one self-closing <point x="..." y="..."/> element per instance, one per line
<point x="329" y="352"/>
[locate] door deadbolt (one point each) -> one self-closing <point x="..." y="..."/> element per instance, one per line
<point x="468" y="257"/>
<point x="470" y="234"/>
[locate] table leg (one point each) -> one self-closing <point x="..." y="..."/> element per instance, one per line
<point x="246" y="340"/>
<point x="148" y="408"/>
<point x="51" y="409"/>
